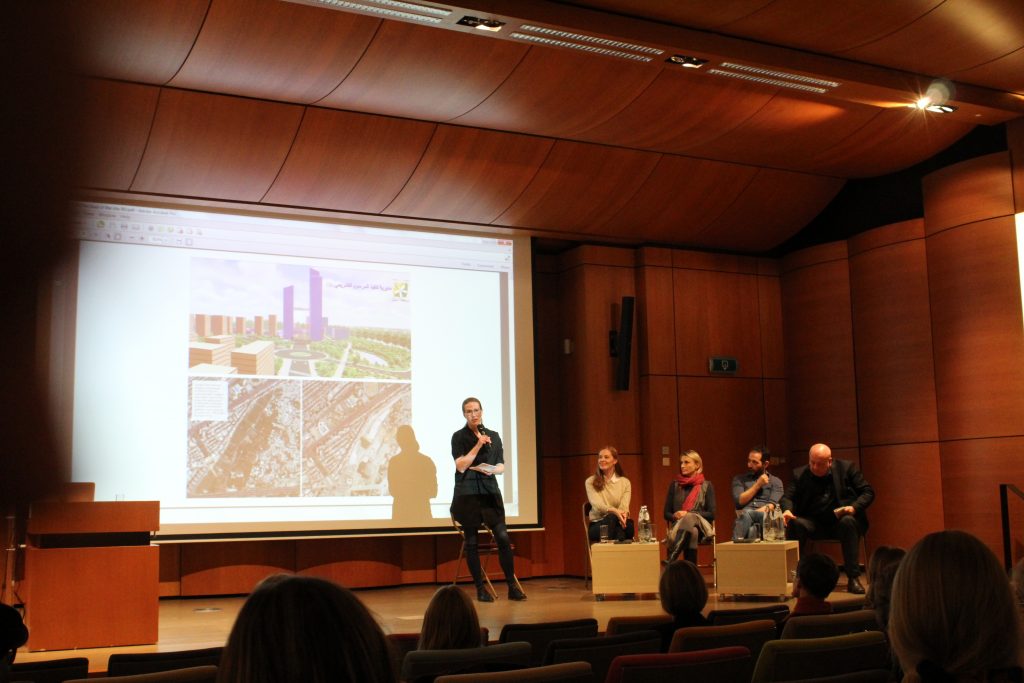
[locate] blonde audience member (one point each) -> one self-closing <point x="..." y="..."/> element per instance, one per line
<point x="450" y="621"/>
<point x="304" y="630"/>
<point x="953" y="616"/>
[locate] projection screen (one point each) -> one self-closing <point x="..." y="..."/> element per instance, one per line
<point x="266" y="376"/>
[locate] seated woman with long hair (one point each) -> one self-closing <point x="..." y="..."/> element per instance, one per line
<point x="450" y="621"/>
<point x="304" y="629"/>
<point x="609" y="492"/>
<point x="952" y="615"/>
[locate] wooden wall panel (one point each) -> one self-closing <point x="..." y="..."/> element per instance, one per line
<point x="548" y="354"/>
<point x="716" y="314"/>
<point x="907" y="136"/>
<point x="418" y="562"/>
<point x="969" y="191"/>
<point x="578" y="186"/>
<point x="145" y="42"/>
<point x="1015" y="141"/>
<point x="543" y="94"/>
<point x="402" y="73"/>
<point x="216" y="146"/>
<point x="902" y="514"/>
<point x="977" y="330"/>
<point x="720" y="418"/>
<point x="598" y="413"/>
<point x="548" y="547"/>
<point x="893" y="344"/>
<point x="655" y="339"/>
<point x="817" y="328"/>
<point x="914" y="47"/>
<point x="469" y="174"/>
<point x="170" y="570"/>
<point x="660" y="422"/>
<point x="776" y="421"/>
<point x="829" y="28"/>
<point x="347" y="161"/>
<point x="789" y="126"/>
<point x="272" y="50"/>
<point x="999" y="74"/>
<point x="794" y="198"/>
<point x="118" y="117"/>
<point x="769" y="312"/>
<point x="680" y="198"/>
<point x="680" y="111"/>
<point x="232" y="568"/>
<point x="352" y="562"/>
<point x="970" y="484"/>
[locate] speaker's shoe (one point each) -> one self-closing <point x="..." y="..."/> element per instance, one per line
<point x="483" y="595"/>
<point x="514" y="593"/>
<point x="855" y="586"/>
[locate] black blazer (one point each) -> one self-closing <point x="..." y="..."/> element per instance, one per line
<point x="851" y="489"/>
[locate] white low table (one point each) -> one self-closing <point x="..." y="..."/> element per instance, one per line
<point x="626" y="567"/>
<point x="757" y="568"/>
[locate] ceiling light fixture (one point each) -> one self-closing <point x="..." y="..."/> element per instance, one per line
<point x="492" y="25"/>
<point x="686" y="61"/>
<point x="926" y="104"/>
<point x="576" y="46"/>
<point x="940" y="91"/>
<point x="393" y="9"/>
<point x="769" y="81"/>
<point x="784" y="75"/>
<point x="583" y="38"/>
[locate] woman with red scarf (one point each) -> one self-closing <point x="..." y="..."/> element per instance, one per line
<point x="689" y="508"/>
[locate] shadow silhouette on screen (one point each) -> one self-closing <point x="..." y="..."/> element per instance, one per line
<point x="412" y="480"/>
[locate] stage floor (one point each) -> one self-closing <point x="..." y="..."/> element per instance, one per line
<point x="188" y="623"/>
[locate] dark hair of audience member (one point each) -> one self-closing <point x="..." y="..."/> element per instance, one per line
<point x="953" y="616"/>
<point x="300" y="628"/>
<point x="682" y="589"/>
<point x="817" y="574"/>
<point x="450" y="621"/>
<point x="13" y="633"/>
<point x="883" y="557"/>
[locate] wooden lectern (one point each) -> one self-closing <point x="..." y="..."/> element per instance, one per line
<point x="91" y="576"/>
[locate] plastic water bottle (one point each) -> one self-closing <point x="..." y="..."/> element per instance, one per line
<point x="645" y="525"/>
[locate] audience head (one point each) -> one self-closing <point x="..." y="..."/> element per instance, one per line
<point x="298" y="628"/>
<point x="817" y="575"/>
<point x="682" y="589"/>
<point x="13" y="633"/>
<point x="952" y="614"/>
<point x="450" y="621"/>
<point x="882" y="558"/>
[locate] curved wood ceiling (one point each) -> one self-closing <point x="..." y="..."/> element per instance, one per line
<point x="289" y="104"/>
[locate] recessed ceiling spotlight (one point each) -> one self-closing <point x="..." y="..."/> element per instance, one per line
<point x="492" y="25"/>
<point x="686" y="61"/>
<point x="926" y="104"/>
